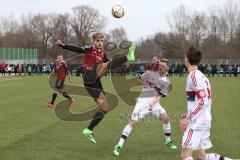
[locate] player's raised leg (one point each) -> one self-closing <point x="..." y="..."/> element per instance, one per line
<point x="130" y="57"/>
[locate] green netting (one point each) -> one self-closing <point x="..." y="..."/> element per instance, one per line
<point x="18" y="54"/>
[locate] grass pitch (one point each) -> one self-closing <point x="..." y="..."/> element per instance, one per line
<point x="29" y="130"/>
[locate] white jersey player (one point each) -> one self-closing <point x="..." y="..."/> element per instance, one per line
<point x="155" y="85"/>
<point x="196" y="123"/>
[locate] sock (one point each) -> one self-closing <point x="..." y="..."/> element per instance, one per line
<point x="66" y="95"/>
<point x="117" y="62"/>
<point x="54" y="96"/>
<point x="126" y="132"/>
<point x="98" y="116"/>
<point x="189" y="158"/>
<point x="214" y="156"/>
<point x="167" y="131"/>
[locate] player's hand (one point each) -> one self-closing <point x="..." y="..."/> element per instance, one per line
<point x="99" y="59"/>
<point x="183" y="125"/>
<point x="151" y="105"/>
<point x="59" y="43"/>
<point x="184" y="115"/>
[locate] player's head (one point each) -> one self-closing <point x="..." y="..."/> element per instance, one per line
<point x="193" y="57"/>
<point x="154" y="58"/>
<point x="163" y="66"/>
<point x="59" y="57"/>
<point x="98" y="39"/>
<point x="155" y="65"/>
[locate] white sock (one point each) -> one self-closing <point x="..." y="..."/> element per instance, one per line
<point x="214" y="156"/>
<point x="167" y="131"/>
<point x="189" y="158"/>
<point x="126" y="132"/>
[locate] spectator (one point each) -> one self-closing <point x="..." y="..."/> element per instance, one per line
<point x="229" y="70"/>
<point x="9" y="69"/>
<point x="218" y="67"/>
<point x="30" y="70"/>
<point x="209" y="70"/>
<point x="235" y="70"/>
<point x="224" y="70"/>
<point x="16" y="69"/>
<point x="214" y="70"/>
<point x="48" y="69"/>
<point x="3" y="68"/>
<point x="24" y="69"/>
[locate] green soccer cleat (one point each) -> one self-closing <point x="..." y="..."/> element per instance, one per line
<point x="117" y="150"/>
<point x="131" y="52"/>
<point x="170" y="144"/>
<point x="87" y="132"/>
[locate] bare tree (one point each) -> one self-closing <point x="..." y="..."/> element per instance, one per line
<point x="180" y="23"/>
<point x="197" y="29"/>
<point x="231" y="11"/>
<point x="86" y="20"/>
<point x="117" y="35"/>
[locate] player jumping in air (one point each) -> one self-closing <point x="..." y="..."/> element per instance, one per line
<point x="196" y="124"/>
<point x="156" y="85"/>
<point x="61" y="71"/>
<point x="96" y="65"/>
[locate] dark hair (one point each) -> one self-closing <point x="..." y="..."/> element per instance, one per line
<point x="194" y="56"/>
<point x="97" y="35"/>
<point x="60" y="54"/>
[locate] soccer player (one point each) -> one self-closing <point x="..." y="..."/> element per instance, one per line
<point x="196" y="124"/>
<point x="61" y="71"/>
<point x="96" y="65"/>
<point x="156" y="85"/>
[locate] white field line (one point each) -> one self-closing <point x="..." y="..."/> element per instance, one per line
<point x="10" y="79"/>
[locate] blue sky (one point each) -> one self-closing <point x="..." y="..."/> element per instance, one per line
<point x="142" y="17"/>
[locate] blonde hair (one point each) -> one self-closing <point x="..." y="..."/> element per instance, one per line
<point x="97" y="35"/>
<point x="165" y="61"/>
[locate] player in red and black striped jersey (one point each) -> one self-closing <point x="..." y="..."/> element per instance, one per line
<point x="61" y="71"/>
<point x="97" y="64"/>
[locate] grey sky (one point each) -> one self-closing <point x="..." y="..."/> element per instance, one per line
<point x="142" y="17"/>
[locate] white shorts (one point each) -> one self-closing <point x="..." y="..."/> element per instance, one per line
<point x="196" y="139"/>
<point x="142" y="109"/>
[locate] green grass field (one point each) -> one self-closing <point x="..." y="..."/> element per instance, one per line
<point x="30" y="131"/>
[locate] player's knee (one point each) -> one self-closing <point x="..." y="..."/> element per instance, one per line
<point x="165" y="119"/>
<point x="99" y="102"/>
<point x="102" y="104"/>
<point x="200" y="156"/>
<point x="185" y="155"/>
<point x="133" y="123"/>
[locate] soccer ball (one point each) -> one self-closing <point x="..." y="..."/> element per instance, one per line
<point x="117" y="11"/>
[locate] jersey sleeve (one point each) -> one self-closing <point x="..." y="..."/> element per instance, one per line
<point x="75" y="48"/>
<point x="145" y="76"/>
<point x="165" y="87"/>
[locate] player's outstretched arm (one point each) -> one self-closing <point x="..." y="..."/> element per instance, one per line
<point x="73" y="48"/>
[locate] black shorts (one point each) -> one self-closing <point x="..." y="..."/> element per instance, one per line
<point x="94" y="89"/>
<point x="59" y="84"/>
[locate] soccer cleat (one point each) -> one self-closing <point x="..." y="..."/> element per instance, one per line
<point x="71" y="102"/>
<point x="87" y="132"/>
<point x="170" y="144"/>
<point x="50" y="105"/>
<point x="117" y="150"/>
<point x="131" y="52"/>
